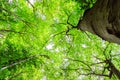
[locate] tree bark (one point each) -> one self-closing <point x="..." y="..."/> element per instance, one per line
<point x="103" y="20"/>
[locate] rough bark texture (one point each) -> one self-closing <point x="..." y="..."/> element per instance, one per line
<point x="103" y="20"/>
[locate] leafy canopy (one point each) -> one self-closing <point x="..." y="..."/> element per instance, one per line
<point x="38" y="42"/>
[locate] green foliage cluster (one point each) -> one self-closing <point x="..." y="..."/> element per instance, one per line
<point x="38" y="43"/>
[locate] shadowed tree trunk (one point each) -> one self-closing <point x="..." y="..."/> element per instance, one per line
<point x="103" y="20"/>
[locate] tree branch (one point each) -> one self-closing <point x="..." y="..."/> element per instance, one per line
<point x="24" y="60"/>
<point x="2" y="30"/>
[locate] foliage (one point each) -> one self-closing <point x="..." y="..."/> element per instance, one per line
<point x="38" y="42"/>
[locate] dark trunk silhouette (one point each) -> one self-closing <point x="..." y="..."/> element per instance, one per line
<point x="103" y="20"/>
<point x="112" y="69"/>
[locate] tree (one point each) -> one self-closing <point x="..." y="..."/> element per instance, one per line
<point x="39" y="40"/>
<point x="103" y="20"/>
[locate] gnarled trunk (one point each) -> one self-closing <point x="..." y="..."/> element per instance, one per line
<point x="103" y="20"/>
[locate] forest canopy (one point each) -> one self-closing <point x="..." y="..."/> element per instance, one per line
<point x="39" y="40"/>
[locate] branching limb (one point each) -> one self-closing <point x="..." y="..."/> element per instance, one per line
<point x="82" y="63"/>
<point x="16" y="16"/>
<point x="95" y="74"/>
<point x="16" y="75"/>
<point x="31" y="5"/>
<point x="24" y="60"/>
<point x="69" y="19"/>
<point x="2" y="30"/>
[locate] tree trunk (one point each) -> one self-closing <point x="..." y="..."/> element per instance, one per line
<point x="103" y="20"/>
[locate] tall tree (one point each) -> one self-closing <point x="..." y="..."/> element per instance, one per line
<point x="39" y="40"/>
<point x="103" y="20"/>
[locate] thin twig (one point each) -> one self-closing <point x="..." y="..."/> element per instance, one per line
<point x="95" y="74"/>
<point x="81" y="62"/>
